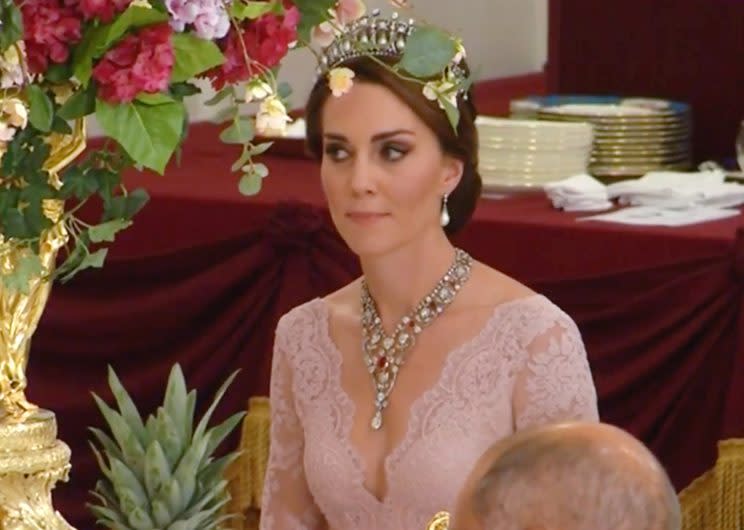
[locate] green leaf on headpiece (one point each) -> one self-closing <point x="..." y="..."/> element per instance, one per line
<point x="453" y="114"/>
<point x="247" y="9"/>
<point x="428" y="52"/>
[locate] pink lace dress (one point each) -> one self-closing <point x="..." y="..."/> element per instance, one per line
<point x="527" y="366"/>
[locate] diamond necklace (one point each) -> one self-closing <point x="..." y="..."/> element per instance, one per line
<point x="384" y="355"/>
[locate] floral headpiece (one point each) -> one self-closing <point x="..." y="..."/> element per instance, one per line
<point x="421" y="53"/>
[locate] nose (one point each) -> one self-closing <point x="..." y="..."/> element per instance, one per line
<point x="363" y="179"/>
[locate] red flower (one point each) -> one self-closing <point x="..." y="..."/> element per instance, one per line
<point x="105" y="10"/>
<point x="266" y="40"/>
<point x="140" y="62"/>
<point x="50" y="28"/>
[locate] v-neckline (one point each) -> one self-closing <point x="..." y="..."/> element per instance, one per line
<point x="359" y="463"/>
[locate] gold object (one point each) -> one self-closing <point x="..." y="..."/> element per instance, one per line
<point x="32" y="460"/>
<point x="440" y="521"/>
<point x="384" y="355"/>
<point x="246" y="475"/>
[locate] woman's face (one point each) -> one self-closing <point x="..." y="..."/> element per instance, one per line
<point x="383" y="171"/>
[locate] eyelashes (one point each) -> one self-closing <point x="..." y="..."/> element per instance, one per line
<point x="391" y="152"/>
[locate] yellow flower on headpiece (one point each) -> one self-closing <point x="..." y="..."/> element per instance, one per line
<point x="340" y="80"/>
<point x="11" y="71"/>
<point x="13" y="116"/>
<point x="272" y="117"/>
<point x="461" y="54"/>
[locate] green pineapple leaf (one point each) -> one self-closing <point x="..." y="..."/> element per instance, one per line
<point x="170" y="495"/>
<point x="189" y="415"/>
<point x="157" y="470"/>
<point x="202" y="426"/>
<point x="102" y="464"/>
<point x="167" y="432"/>
<point x="108" y="517"/>
<point x="126" y="406"/>
<point x="121" y="430"/>
<point x="139" y="519"/>
<point x="175" y="399"/>
<point x="214" y="472"/>
<point x="161" y="514"/>
<point x="127" y="487"/>
<point x="186" y="471"/>
<point x="210" y="494"/>
<point x="220" y="432"/>
<point x="107" y="443"/>
<point x="104" y="492"/>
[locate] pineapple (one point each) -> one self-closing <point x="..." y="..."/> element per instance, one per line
<point x="161" y="474"/>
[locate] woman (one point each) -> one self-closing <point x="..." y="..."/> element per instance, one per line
<point x="361" y="440"/>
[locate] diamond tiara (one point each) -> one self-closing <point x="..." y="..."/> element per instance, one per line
<point x="379" y="37"/>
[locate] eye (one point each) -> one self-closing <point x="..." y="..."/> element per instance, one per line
<point x="336" y="152"/>
<point x="394" y="152"/>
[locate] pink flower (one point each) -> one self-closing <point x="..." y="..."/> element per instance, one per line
<point x="50" y="28"/>
<point x="267" y="41"/>
<point x="104" y="10"/>
<point x="140" y="62"/>
<point x="209" y="17"/>
<point x="345" y="12"/>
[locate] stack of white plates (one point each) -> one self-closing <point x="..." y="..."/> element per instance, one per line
<point x="521" y="155"/>
<point x="631" y="136"/>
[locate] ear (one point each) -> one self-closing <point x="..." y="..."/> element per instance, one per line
<point x="451" y="173"/>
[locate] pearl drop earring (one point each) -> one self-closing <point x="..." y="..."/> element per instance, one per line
<point x="444" y="218"/>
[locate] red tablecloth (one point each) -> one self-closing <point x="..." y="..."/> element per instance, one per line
<point x="204" y="274"/>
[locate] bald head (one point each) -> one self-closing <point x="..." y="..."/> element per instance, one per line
<point x="573" y="476"/>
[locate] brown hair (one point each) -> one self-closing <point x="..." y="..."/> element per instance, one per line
<point x="462" y="144"/>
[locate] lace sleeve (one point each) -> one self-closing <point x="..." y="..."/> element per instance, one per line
<point x="554" y="383"/>
<point x="287" y="503"/>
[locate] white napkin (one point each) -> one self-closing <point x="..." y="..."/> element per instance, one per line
<point x="656" y="216"/>
<point x="670" y="189"/>
<point x="579" y="193"/>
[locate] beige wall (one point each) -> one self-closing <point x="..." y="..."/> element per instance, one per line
<point x="503" y="37"/>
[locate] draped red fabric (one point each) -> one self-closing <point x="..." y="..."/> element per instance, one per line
<point x="204" y="274"/>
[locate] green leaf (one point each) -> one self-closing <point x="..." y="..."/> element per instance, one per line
<point x="428" y="52"/>
<point x="157" y="469"/>
<point x="312" y="13"/>
<point x="134" y="17"/>
<point x="78" y="182"/>
<point x="27" y="268"/>
<point x="148" y="133"/>
<point x="261" y="170"/>
<point x="125" y="206"/>
<point x="183" y="90"/>
<point x="60" y="126"/>
<point x="202" y="426"/>
<point x="41" y="109"/>
<point x="58" y="72"/>
<point x="193" y="56"/>
<point x="175" y="398"/>
<point x="242" y="10"/>
<point x="250" y="184"/>
<point x="219" y="433"/>
<point x="219" y="96"/>
<point x="239" y="132"/>
<point x="81" y="103"/>
<point x="260" y="149"/>
<point x="453" y="113"/>
<point x="284" y="90"/>
<point x="107" y="231"/>
<point x="155" y="98"/>
<point x="107" y="443"/>
<point x="11" y="23"/>
<point x="90" y="261"/>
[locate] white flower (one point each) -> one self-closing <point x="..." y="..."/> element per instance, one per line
<point x="14" y="113"/>
<point x="256" y="90"/>
<point x="272" y="117"/>
<point x="11" y="71"/>
<point x="438" y="90"/>
<point x="340" y="80"/>
<point x="6" y="133"/>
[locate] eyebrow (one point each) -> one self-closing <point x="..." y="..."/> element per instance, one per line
<point x="376" y="138"/>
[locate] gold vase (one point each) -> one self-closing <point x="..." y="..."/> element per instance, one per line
<point x="32" y="459"/>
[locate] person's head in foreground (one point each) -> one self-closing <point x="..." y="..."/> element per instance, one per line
<point x="569" y="476"/>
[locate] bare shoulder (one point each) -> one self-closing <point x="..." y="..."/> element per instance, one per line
<point x="490" y="287"/>
<point x="343" y="304"/>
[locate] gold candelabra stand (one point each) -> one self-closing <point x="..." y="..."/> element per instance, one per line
<point x="32" y="459"/>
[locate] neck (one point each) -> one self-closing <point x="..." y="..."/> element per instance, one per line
<point x="398" y="280"/>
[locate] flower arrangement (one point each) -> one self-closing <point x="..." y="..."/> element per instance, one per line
<point x="131" y="63"/>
